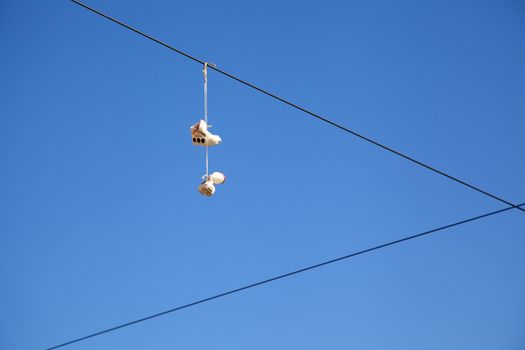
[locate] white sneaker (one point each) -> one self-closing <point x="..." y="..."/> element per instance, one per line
<point x="200" y="135"/>
<point x="207" y="188"/>
<point x="217" y="178"/>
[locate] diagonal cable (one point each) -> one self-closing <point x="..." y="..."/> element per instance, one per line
<point x="289" y="274"/>
<point x="374" y="142"/>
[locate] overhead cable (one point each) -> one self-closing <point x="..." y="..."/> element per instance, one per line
<point x="282" y="276"/>
<point x="374" y="142"/>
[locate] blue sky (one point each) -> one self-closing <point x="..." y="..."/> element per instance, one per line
<point x="102" y="223"/>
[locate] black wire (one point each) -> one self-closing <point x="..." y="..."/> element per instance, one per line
<point x="303" y="109"/>
<point x="304" y="269"/>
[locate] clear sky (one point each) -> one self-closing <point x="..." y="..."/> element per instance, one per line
<point x="101" y="221"/>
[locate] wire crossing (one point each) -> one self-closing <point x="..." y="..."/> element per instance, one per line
<point x="289" y="274"/>
<point x="374" y="142"/>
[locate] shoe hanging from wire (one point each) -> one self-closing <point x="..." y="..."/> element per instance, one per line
<point x="200" y="136"/>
